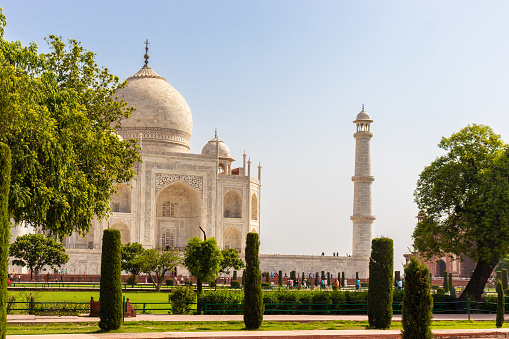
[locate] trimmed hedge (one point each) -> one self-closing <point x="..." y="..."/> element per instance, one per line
<point x="5" y="179"/>
<point x="181" y="299"/>
<point x="381" y="264"/>
<point x="169" y="282"/>
<point x="446" y="283"/>
<point x="110" y="294"/>
<point x="417" y="302"/>
<point x="253" y="303"/>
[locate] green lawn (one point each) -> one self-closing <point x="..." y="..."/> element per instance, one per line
<point x="199" y="326"/>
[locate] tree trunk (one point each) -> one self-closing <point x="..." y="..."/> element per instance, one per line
<point x="199" y="286"/>
<point x="475" y="286"/>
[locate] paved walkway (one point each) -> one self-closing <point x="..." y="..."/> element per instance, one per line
<point x="317" y="334"/>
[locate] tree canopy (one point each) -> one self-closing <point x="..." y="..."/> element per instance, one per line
<point x="36" y="251"/>
<point x="130" y="252"/>
<point x="202" y="259"/>
<point x="231" y="259"/>
<point x="463" y="198"/>
<point x="156" y="263"/>
<point x="58" y="117"/>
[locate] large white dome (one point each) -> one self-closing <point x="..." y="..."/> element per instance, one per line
<point x="162" y="115"/>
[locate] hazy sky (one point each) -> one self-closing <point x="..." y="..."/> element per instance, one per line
<point x="285" y="79"/>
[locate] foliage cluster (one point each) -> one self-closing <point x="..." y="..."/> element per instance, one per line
<point x="181" y="299"/>
<point x="463" y="199"/>
<point x="129" y="253"/>
<point x="156" y="263"/>
<point x="203" y="259"/>
<point x="58" y="116"/>
<point x="231" y="260"/>
<point x="36" y="251"/>
<point x="252" y="278"/>
<point x="5" y="178"/>
<point x="381" y="264"/>
<point x="417" y="302"/>
<point x="110" y="295"/>
<point x="500" y="305"/>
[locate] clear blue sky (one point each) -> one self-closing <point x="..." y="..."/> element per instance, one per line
<point x="284" y="80"/>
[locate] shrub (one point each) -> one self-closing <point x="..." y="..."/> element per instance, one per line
<point x="189" y="283"/>
<point x="450" y="281"/>
<point x="381" y="265"/>
<point x="267" y="277"/>
<point x="131" y="280"/>
<point x="500" y="304"/>
<point x="234" y="275"/>
<point x="366" y="284"/>
<point x="110" y="294"/>
<point x="328" y="278"/>
<point x="253" y="303"/>
<point x="317" y="283"/>
<point x="5" y="179"/>
<point x="417" y="302"/>
<point x="212" y="284"/>
<point x="334" y="288"/>
<point x="265" y="284"/>
<point x="280" y="278"/>
<point x="499" y="275"/>
<point x="435" y="287"/>
<point x="181" y="299"/>
<point x="504" y="279"/>
<point x="446" y="283"/>
<point x="169" y="282"/>
<point x="235" y="283"/>
<point x="293" y="275"/>
<point x="343" y="279"/>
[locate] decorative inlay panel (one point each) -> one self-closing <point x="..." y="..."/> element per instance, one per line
<point x="163" y="180"/>
<point x="238" y="226"/>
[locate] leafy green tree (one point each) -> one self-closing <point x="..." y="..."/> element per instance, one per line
<point x="36" y="251"/>
<point x="463" y="197"/>
<point x="381" y="264"/>
<point x="203" y="259"/>
<point x="156" y="263"/>
<point x="110" y="293"/>
<point x="417" y="302"/>
<point x="5" y="177"/>
<point x="253" y="302"/>
<point x="58" y="116"/>
<point x="231" y="259"/>
<point x="129" y="252"/>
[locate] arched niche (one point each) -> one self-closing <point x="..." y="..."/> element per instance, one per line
<point x="232" y="238"/>
<point x="232" y="205"/>
<point x="178" y="213"/>
<point x="125" y="231"/>
<point x="121" y="201"/>
<point x="221" y="169"/>
<point x="254" y="207"/>
<point x="441" y="267"/>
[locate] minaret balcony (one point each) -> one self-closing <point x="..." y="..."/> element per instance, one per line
<point x="363" y="179"/>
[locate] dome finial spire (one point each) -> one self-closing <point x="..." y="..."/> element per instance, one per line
<point x="146" y="51"/>
<point x="216" y="133"/>
<point x="363" y="107"/>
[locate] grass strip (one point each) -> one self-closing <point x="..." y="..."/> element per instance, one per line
<point x="213" y="326"/>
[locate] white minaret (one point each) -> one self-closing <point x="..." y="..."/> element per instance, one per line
<point x="362" y="217"/>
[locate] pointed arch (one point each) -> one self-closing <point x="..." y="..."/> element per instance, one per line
<point x="121" y="201"/>
<point x="232" y="205"/>
<point x="125" y="231"/>
<point x="232" y="238"/>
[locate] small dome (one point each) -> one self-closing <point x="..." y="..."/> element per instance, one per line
<point x="363" y="115"/>
<point x="162" y="117"/>
<point x="210" y="148"/>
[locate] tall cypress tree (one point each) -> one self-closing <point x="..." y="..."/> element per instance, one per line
<point x="381" y="264"/>
<point x="253" y="302"/>
<point x="417" y="302"/>
<point x="110" y="294"/>
<point x="500" y="305"/>
<point x="5" y="179"/>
